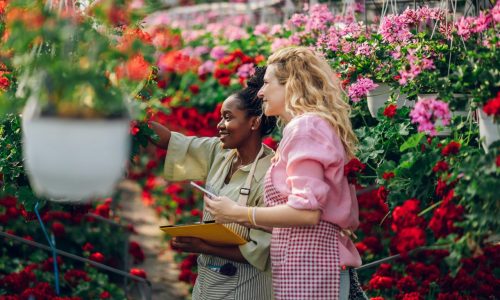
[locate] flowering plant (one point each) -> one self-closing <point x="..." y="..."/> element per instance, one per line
<point x="69" y="65"/>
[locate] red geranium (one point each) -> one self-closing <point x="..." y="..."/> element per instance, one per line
<point x="138" y="272"/>
<point x="97" y="257"/>
<point x="390" y="110"/>
<point x="406" y="215"/>
<point x="105" y="295"/>
<point x="352" y="169"/>
<point x="492" y="107"/>
<point x="136" y="251"/>
<point x="58" y="229"/>
<point x="388" y="175"/>
<point x="408" y="239"/>
<point x="380" y="282"/>
<point x="440" y="166"/>
<point x="451" y="149"/>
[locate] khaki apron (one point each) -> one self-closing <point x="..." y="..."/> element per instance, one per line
<point x="220" y="278"/>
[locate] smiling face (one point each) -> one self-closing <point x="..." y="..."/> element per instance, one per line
<point x="273" y="94"/>
<point x="235" y="127"/>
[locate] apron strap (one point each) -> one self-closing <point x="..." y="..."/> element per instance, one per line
<point x="245" y="190"/>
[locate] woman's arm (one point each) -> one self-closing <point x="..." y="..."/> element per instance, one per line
<point x="226" y="211"/>
<point x="195" y="245"/>
<point x="163" y="133"/>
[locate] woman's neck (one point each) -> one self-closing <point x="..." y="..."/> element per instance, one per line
<point x="247" y="153"/>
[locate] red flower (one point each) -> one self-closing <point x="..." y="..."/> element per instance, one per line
<point x="117" y="16"/>
<point x="492" y="107"/>
<point x="390" y="110"/>
<point x="58" y="229"/>
<point x="270" y="143"/>
<point x="88" y="247"/>
<point x="185" y="275"/>
<point x="195" y="212"/>
<point x="407" y="284"/>
<point x="440" y="166"/>
<point x="452" y="148"/>
<point x="412" y="296"/>
<point x="382" y="193"/>
<point x="195" y="89"/>
<point x="138" y="272"/>
<point x="136" y="251"/>
<point x="97" y="257"/>
<point x="74" y="276"/>
<point x="388" y="175"/>
<point x="352" y="168"/>
<point x="380" y="282"/>
<point x="443" y="220"/>
<point x="408" y="239"/>
<point x="4" y="83"/>
<point x="134" y="129"/>
<point x="406" y="215"/>
<point x="498" y="160"/>
<point x="102" y="210"/>
<point x="105" y="295"/>
<point x="138" y="68"/>
<point x="225" y="81"/>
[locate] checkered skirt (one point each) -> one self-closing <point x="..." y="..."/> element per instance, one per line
<point x="305" y="260"/>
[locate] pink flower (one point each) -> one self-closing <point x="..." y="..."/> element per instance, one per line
<point x="364" y="49"/>
<point x="482" y="22"/>
<point x="206" y="67"/>
<point x="280" y="43"/>
<point x="394" y="29"/>
<point x="218" y="52"/>
<point x="495" y="12"/>
<point x="464" y="27"/>
<point x="298" y="20"/>
<point x="261" y="29"/>
<point x="427" y="111"/>
<point x="246" y="70"/>
<point x="360" y="88"/>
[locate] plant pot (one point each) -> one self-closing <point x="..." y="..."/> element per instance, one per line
<point x="377" y="98"/>
<point x="73" y="160"/>
<point x="489" y="131"/>
<point x="403" y="100"/>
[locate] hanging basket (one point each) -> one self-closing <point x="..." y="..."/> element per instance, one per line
<point x="73" y="160"/>
<point x="377" y="98"/>
<point x="489" y="131"/>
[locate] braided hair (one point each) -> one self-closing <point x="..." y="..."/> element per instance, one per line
<point x="252" y="104"/>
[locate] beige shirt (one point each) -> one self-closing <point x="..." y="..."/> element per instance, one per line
<point x="193" y="158"/>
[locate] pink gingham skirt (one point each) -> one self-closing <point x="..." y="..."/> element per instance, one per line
<point x="305" y="260"/>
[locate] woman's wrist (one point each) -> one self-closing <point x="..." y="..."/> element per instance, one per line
<point x="239" y="214"/>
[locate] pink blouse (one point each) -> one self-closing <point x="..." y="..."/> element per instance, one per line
<point x="310" y="170"/>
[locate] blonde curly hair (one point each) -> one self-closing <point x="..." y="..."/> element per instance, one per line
<point x="311" y="86"/>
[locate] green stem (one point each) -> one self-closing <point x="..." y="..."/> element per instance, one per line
<point x="429" y="208"/>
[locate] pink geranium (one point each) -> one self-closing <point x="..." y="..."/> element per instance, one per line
<point x="360" y="88"/>
<point x="427" y="112"/>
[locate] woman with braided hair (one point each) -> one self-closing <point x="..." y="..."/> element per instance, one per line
<point x="233" y="165"/>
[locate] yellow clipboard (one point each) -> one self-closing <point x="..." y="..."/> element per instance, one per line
<point x="211" y="232"/>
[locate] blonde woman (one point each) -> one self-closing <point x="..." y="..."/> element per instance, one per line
<point x="311" y="206"/>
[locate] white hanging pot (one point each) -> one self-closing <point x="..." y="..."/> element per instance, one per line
<point x="73" y="160"/>
<point x="403" y="100"/>
<point x="376" y="98"/>
<point x="489" y="131"/>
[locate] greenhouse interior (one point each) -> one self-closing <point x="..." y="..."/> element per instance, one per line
<point x="249" y="149"/>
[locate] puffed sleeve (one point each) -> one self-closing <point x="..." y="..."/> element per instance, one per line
<point x="308" y="152"/>
<point x="189" y="158"/>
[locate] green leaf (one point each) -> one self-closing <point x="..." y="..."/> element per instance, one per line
<point x="412" y="142"/>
